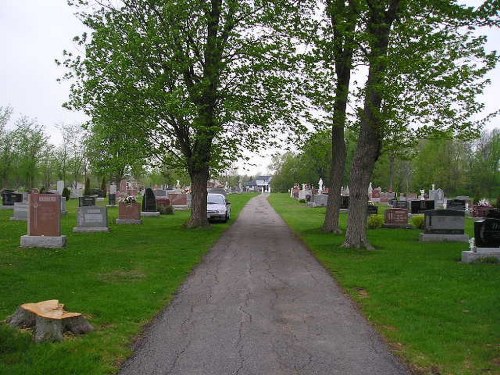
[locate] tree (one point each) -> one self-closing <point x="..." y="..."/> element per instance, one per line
<point x="6" y="152"/>
<point x="410" y="82"/>
<point x="195" y="79"/>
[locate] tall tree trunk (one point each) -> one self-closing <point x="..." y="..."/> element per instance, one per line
<point x="370" y="136"/>
<point x="343" y="19"/>
<point x="199" y="178"/>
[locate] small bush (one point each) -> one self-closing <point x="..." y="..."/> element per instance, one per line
<point x="66" y="193"/>
<point x="166" y="210"/>
<point x="418" y="221"/>
<point x="375" y="221"/>
<point x="302" y="201"/>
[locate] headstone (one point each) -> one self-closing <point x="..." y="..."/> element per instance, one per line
<point x="370" y="190"/>
<point x="20" y="211"/>
<point x="129" y="213"/>
<point x="396" y="218"/>
<point x="372" y="210"/>
<point x="9" y="198"/>
<point x="92" y="219"/>
<point x="60" y="187"/>
<point x="444" y="225"/>
<point x="149" y="204"/>
<point x="456" y="204"/>
<point x="419" y="206"/>
<point x="320" y="184"/>
<point x="44" y="222"/>
<point x="112" y="199"/>
<point x="86" y="201"/>
<point x="486" y="242"/>
<point x="344" y="202"/>
<point x="112" y="188"/>
<point x="399" y="204"/>
<point x="63" y="206"/>
<point x="320" y="200"/>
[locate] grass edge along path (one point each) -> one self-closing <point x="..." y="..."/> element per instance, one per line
<point x="119" y="280"/>
<point x="437" y="314"/>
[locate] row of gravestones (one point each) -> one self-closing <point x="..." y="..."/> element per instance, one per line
<point x="44" y="218"/>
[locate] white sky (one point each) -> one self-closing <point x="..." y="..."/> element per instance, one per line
<point x="33" y="33"/>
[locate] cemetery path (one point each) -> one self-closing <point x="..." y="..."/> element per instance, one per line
<point x="261" y="304"/>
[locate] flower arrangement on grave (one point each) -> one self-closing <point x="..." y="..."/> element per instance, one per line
<point x="484" y="203"/>
<point x="127" y="200"/>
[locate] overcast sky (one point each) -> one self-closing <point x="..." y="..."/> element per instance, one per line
<point x="33" y="33"/>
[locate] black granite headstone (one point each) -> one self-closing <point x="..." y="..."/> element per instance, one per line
<point x="494" y="213"/>
<point x="149" y="201"/>
<point x="455" y="204"/>
<point x="9" y="198"/>
<point x="400" y="204"/>
<point x="419" y="206"/>
<point x="344" y="203"/>
<point x="86" y="201"/>
<point x="112" y="199"/>
<point x="487" y="232"/>
<point x="372" y="210"/>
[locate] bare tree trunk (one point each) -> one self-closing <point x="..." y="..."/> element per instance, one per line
<point x="371" y="131"/>
<point x="199" y="180"/>
<point x="343" y="19"/>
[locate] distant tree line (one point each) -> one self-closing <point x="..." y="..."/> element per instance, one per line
<point x="470" y="167"/>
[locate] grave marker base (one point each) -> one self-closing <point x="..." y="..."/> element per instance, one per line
<point x="46" y="242"/>
<point x="128" y="221"/>
<point x="430" y="237"/>
<point x="481" y="253"/>
<point x="147" y="213"/>
<point x="90" y="229"/>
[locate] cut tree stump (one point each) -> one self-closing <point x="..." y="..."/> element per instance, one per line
<point x="49" y="320"/>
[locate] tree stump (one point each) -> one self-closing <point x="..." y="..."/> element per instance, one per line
<point x="49" y="320"/>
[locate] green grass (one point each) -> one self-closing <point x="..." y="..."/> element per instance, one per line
<point x="118" y="280"/>
<point x="438" y="314"/>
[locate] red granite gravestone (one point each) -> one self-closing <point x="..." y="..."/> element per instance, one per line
<point x="44" y="215"/>
<point x="396" y="218"/>
<point x="129" y="213"/>
<point x="44" y="222"/>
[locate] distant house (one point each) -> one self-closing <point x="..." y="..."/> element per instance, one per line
<point x="261" y="183"/>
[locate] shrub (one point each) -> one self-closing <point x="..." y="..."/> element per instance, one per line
<point x="302" y="201"/>
<point x="418" y="221"/>
<point x="86" y="190"/>
<point x="66" y="193"/>
<point x="375" y="221"/>
<point x="166" y="210"/>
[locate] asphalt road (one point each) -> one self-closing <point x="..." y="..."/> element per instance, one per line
<point x="261" y="304"/>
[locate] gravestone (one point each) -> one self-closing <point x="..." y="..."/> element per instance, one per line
<point x="44" y="222"/>
<point x="396" y="218"/>
<point x="149" y="204"/>
<point x="400" y="204"/>
<point x="112" y="199"/>
<point x="444" y="225"/>
<point x="320" y="200"/>
<point x="456" y="204"/>
<point x="372" y="210"/>
<point x="92" y="219"/>
<point x="486" y="242"/>
<point x="20" y="211"/>
<point x="344" y="202"/>
<point x="419" y="206"/>
<point x="9" y="197"/>
<point x="60" y="187"/>
<point x="129" y="213"/>
<point x="85" y="201"/>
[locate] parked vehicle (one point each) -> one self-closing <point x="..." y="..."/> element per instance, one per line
<point x="218" y="208"/>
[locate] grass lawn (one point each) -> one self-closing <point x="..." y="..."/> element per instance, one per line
<point x="118" y="280"/>
<point x="441" y="316"/>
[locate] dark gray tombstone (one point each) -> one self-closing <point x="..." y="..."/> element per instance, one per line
<point x="9" y="198"/>
<point x="487" y="233"/>
<point x="344" y="203"/>
<point x="112" y="199"/>
<point x="320" y="200"/>
<point x="399" y="204"/>
<point x="456" y="204"/>
<point x="494" y="213"/>
<point x="92" y="219"/>
<point x="419" y="206"/>
<point x="444" y="225"/>
<point x="372" y="210"/>
<point x="149" y="201"/>
<point x="86" y="200"/>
